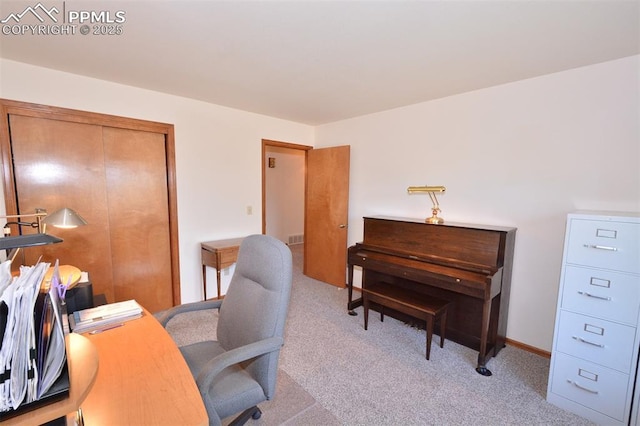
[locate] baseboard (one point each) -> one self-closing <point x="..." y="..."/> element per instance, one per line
<point x="528" y="348"/>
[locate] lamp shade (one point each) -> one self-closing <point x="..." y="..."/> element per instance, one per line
<point x="64" y="218"/>
<point x="28" y="241"/>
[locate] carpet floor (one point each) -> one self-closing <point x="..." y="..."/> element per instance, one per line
<point x="333" y="372"/>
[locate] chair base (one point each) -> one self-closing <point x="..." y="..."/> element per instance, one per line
<point x="253" y="413"/>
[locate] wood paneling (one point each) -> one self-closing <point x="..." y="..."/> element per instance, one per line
<point x="138" y="216"/>
<point x="119" y="174"/>
<point x="59" y="164"/>
<point x="326" y="214"/>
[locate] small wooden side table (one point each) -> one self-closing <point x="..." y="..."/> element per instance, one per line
<point x="218" y="254"/>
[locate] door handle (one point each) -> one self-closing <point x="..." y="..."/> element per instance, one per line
<point x="342" y="226"/>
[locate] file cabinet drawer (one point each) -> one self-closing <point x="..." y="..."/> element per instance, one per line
<point x="611" y="294"/>
<point x="591" y="385"/>
<point x="596" y="340"/>
<point x="604" y="244"/>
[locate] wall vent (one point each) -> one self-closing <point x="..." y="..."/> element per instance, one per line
<point x="296" y="239"/>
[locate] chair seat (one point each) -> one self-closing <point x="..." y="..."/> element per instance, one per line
<point x="233" y="389"/>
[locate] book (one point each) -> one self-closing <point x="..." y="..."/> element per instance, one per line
<point x="104" y="316"/>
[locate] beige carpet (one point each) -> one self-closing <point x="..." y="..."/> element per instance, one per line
<point x="292" y="404"/>
<point x="334" y="372"/>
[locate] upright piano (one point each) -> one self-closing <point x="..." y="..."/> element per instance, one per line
<point x="469" y="265"/>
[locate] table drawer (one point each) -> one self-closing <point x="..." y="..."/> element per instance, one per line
<point x="605" y="244"/>
<point x="612" y="295"/>
<point x="208" y="258"/>
<point x="228" y="256"/>
<point x="596" y="340"/>
<point x="591" y="385"/>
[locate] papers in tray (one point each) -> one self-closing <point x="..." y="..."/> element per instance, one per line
<point x="32" y="346"/>
<point x="104" y="316"/>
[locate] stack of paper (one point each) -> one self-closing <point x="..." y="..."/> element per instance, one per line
<point x="51" y="356"/>
<point x="104" y="316"/>
<point x="32" y="347"/>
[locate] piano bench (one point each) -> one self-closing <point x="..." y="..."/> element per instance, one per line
<point x="418" y="305"/>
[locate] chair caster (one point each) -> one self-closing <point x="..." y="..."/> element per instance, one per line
<point x="256" y="414"/>
<point x="253" y="412"/>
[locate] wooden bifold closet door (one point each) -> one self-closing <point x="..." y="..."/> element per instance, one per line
<point x="119" y="179"/>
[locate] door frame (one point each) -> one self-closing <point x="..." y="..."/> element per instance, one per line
<point x="8" y="107"/>
<point x="266" y="143"/>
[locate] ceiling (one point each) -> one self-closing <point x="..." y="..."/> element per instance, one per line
<point x="321" y="61"/>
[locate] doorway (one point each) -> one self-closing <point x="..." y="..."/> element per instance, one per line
<point x="283" y="191"/>
<point x="325" y="211"/>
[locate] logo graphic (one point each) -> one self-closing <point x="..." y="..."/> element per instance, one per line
<point x="33" y="11"/>
<point x="49" y="20"/>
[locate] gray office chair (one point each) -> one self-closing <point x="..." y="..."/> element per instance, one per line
<point x="238" y="371"/>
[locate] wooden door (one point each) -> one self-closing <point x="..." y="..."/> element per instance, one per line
<point x="117" y="173"/>
<point x="326" y="214"/>
<point x="138" y="216"/>
<point x="53" y="162"/>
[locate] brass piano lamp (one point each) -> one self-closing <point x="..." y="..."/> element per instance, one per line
<point x="431" y="190"/>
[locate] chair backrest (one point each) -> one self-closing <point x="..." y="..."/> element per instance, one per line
<point x="256" y="304"/>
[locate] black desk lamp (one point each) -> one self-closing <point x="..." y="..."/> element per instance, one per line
<point x="64" y="218"/>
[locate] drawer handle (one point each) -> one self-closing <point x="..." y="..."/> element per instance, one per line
<point x="595" y="246"/>
<point x="582" y="387"/>
<point x="580" y="339"/>
<point x="594" y="296"/>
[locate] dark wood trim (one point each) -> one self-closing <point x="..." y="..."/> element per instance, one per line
<point x="78" y="116"/>
<point x="269" y="142"/>
<point x="8" y="107"/>
<point x="172" y="188"/>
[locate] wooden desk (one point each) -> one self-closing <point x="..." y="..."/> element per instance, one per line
<point x="218" y="254"/>
<point x="142" y="380"/>
<point x="82" y="360"/>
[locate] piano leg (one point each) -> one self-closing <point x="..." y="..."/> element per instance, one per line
<point x="484" y="334"/>
<point x="350" y="303"/>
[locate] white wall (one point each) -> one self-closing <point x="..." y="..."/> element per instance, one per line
<point x="284" y="189"/>
<point x="218" y="153"/>
<point x="522" y="154"/>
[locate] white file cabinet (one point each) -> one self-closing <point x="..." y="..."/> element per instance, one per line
<point x="597" y="335"/>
